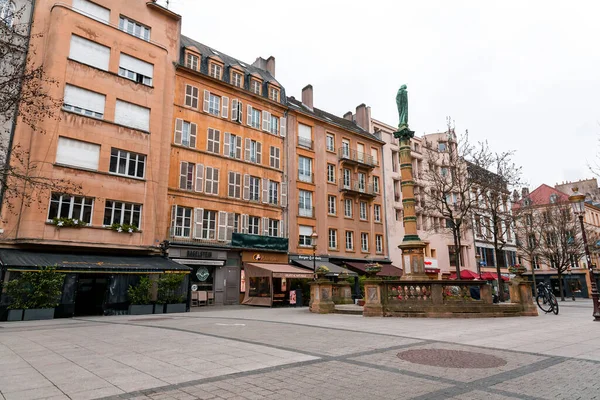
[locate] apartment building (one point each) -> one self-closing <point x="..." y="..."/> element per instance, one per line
<point x="335" y="186"/>
<point x="109" y="141"/>
<point x="227" y="191"/>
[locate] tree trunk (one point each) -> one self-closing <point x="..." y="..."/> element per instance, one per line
<point x="560" y="285"/>
<point x="533" y="277"/>
<point x="500" y="282"/>
<point x="457" y="256"/>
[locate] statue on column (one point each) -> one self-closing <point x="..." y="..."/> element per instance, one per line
<point x="403" y="132"/>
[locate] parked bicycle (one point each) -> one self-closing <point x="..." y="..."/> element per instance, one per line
<point x="545" y="299"/>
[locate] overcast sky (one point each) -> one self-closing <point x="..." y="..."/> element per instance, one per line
<point x="523" y="75"/>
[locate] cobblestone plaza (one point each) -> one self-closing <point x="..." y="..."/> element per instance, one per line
<point x="249" y="353"/>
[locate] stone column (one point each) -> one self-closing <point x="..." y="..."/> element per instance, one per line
<point x="321" y="297"/>
<point x="373" y="300"/>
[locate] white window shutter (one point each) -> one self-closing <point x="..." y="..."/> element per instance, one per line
<point x="234" y="110"/>
<point x="136" y="65"/>
<point x="178" y="130"/>
<point x="230" y="225"/>
<point x="240" y="112"/>
<point x="206" y="101"/>
<point x="231" y="184"/>
<point x="198" y="218"/>
<point x="86" y="99"/>
<point x="282" y="126"/>
<point x="249" y="116"/>
<point x="258" y="152"/>
<point x="208" y="177"/>
<point x="210" y="136"/>
<point x="215" y="185"/>
<point x="77" y="153"/>
<point x="238" y="185"/>
<point x="90" y="53"/>
<point x="244" y="223"/>
<point x="247" y="154"/>
<point x="92" y="10"/>
<point x="265" y="120"/>
<point x="222" y="232"/>
<point x="283" y="194"/>
<point x="281" y="228"/>
<point x="224" y="106"/>
<point x="183" y="169"/>
<point x="246" y="187"/>
<point x="238" y="148"/>
<point x="173" y="217"/>
<point x="226" y="140"/>
<point x="199" y="177"/>
<point x="193" y="133"/>
<point x="265" y="190"/>
<point x="265" y="223"/>
<point x="132" y="115"/>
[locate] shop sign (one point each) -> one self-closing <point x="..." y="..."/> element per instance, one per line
<point x="264" y="257"/>
<point x="308" y="258"/>
<point x="292" y="297"/>
<point x="199" y="254"/>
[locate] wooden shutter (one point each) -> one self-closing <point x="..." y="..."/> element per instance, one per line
<point x="208" y="180"/>
<point x="246" y="187"/>
<point x="249" y="115"/>
<point x="224" y="106"/>
<point x="230" y="225"/>
<point x="244" y="223"/>
<point x="234" y="110"/>
<point x="173" y="218"/>
<point x="265" y="223"/>
<point x="199" y="177"/>
<point x="194" y="97"/>
<point x="238" y="147"/>
<point x="283" y="194"/>
<point x="206" y="101"/>
<point x="198" y="218"/>
<point x="193" y="128"/>
<point x="210" y="137"/>
<point x="265" y="190"/>
<point x="247" y="154"/>
<point x="240" y="112"/>
<point x="258" y="152"/>
<point x="238" y="185"/>
<point x="231" y="184"/>
<point x="178" y="130"/>
<point x="183" y="170"/>
<point x="282" y="126"/>
<point x="266" y="119"/>
<point x="222" y="229"/>
<point x="217" y="145"/>
<point x="226" y="140"/>
<point x="215" y="184"/>
<point x="281" y="228"/>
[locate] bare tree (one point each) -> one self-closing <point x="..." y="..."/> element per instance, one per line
<point x="449" y="193"/>
<point x="493" y="175"/>
<point x="24" y="100"/>
<point x="529" y="228"/>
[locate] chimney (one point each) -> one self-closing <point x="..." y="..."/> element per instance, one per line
<point x="307" y="96"/>
<point x="524" y="192"/>
<point x="348" y="116"/>
<point x="266" y="65"/>
<point x="363" y="117"/>
<point x="271" y="66"/>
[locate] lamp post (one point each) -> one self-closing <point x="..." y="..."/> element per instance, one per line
<point x="578" y="203"/>
<point x="314" y="237"/>
<point x="571" y="286"/>
<point x="478" y="261"/>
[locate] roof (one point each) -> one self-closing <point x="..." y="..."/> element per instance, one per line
<point x="331" y="119"/>
<point x="541" y="196"/>
<point x="88" y="262"/>
<point x="282" y="270"/>
<point x="334" y="270"/>
<point x="386" y="269"/>
<point x="228" y="61"/>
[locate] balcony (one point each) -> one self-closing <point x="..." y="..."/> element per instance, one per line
<point x="356" y="187"/>
<point x="305" y="143"/>
<point x="303" y="211"/>
<point x="306" y="177"/>
<point x="355" y="157"/>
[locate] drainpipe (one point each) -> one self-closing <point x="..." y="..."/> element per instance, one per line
<point x="385" y="201"/>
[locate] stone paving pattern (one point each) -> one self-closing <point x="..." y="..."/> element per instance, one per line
<point x="253" y="353"/>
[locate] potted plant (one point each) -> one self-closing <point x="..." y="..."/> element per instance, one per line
<point x="322" y="271"/>
<point x="139" y="297"/>
<point x="168" y="285"/>
<point x="38" y="293"/>
<point x="68" y="222"/>
<point x="17" y="293"/>
<point x="124" y="228"/>
<point x="372" y="269"/>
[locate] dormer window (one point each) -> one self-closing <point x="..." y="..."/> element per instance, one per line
<point x="237" y="79"/>
<point x="273" y="93"/>
<point x="215" y="70"/>
<point x="553" y="198"/>
<point x="255" y="86"/>
<point x="192" y="61"/>
<point x="442" y="146"/>
<point x="526" y="202"/>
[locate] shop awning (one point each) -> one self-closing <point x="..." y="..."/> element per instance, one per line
<point x="20" y="260"/>
<point x="492" y="276"/>
<point x="465" y="274"/>
<point x="281" y="270"/>
<point x="386" y="269"/>
<point x="334" y="270"/>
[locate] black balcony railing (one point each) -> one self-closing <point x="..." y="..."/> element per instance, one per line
<point x="304" y="211"/>
<point x="351" y="155"/>
<point x="357" y="187"/>
<point x="304" y="142"/>
<point x="306" y="177"/>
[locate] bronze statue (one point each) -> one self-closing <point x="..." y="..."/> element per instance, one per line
<point x="402" y="103"/>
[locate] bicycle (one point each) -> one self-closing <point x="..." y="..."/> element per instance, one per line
<point x="545" y="299"/>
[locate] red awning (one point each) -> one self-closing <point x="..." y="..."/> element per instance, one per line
<point x="492" y="276"/>
<point x="465" y="274"/>
<point x="386" y="269"/>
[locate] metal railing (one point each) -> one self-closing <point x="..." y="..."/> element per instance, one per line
<point x="306" y="211"/>
<point x="355" y="185"/>
<point x="357" y="156"/>
<point x="304" y="177"/>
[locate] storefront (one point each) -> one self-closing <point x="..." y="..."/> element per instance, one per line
<point x="307" y="262"/>
<point x="574" y="284"/>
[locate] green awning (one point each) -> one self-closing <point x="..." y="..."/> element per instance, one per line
<point x="261" y="242"/>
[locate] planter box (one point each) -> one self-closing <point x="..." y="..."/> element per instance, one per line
<point x="38" y="313"/>
<point x="175" y="308"/>
<point x="14" y="315"/>
<point x="159" y="309"/>
<point x="141" y="309"/>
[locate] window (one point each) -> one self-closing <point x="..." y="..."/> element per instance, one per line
<point x="191" y="96"/>
<point x="441" y="146"/>
<point x="444" y="171"/>
<point x="117" y="212"/>
<point x="132" y="115"/>
<point x="377" y="213"/>
<point x="273" y="192"/>
<point x="255" y="86"/>
<point x="378" y="243"/>
<point x="67" y="206"/>
<point x="331" y="205"/>
<point x="236" y="79"/>
<point x="214" y="104"/>
<point x="274" y="157"/>
<point x="364" y="241"/>
<point x="186" y="176"/>
<point x="274" y="94"/>
<point x="232" y="145"/>
<point x="345" y="148"/>
<point x="528" y="219"/>
<point x="88" y="8"/>
<point x="330" y="142"/>
<point x="253" y="151"/>
<point x="304" y="136"/>
<point x="395" y="161"/>
<point x="330" y="173"/>
<point x="7" y="12"/>
<point x="87" y="52"/>
<point x="213" y="141"/>
<point x="134" y="28"/>
<point x="84" y="102"/>
<point x="254" y="117"/>
<point x="136" y="70"/>
<point x="127" y="163"/>
<point x="346" y="178"/>
<point x="363" y="211"/>
<point x="254" y="188"/>
<point x="209" y="225"/>
<point x="362" y="181"/>
<point x="376" y="184"/>
<point x="211" y="178"/>
<point x="192" y="61"/>
<point x="398" y="215"/>
<point x="305" y="235"/>
<point x="77" y="153"/>
<point x="215" y="70"/>
<point x="332" y="239"/>
<point x="350" y="240"/>
<point x="374" y="156"/>
<point x="273" y="227"/>
<point x="304" y="169"/>
<point x="348" y="208"/>
<point x="185" y="133"/>
<point x="273" y="124"/>
<point x="181" y="221"/>
<point x="234" y="187"/>
<point x="305" y="208"/>
<point x="253" y="225"/>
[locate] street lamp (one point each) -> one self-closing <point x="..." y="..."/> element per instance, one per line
<point x="314" y="237"/>
<point x="571" y="286"/>
<point x="478" y="261"/>
<point x="578" y="203"/>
